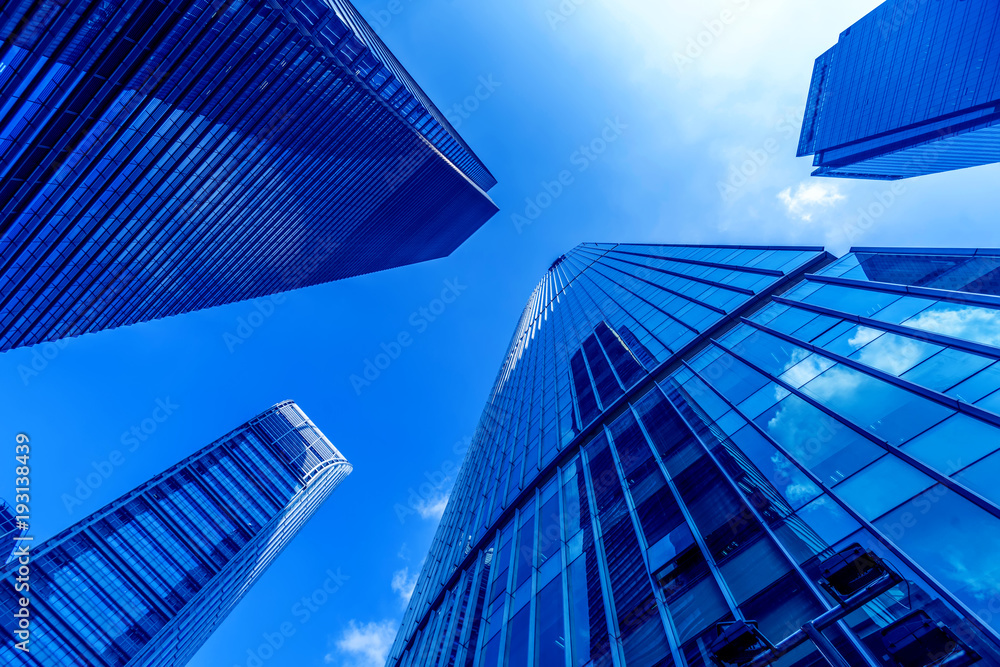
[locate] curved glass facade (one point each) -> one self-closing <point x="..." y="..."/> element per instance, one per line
<point x="146" y="579"/>
<point x="912" y="88"/>
<point x="158" y="158"/>
<point x="686" y="436"/>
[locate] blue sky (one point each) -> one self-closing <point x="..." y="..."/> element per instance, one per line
<point x="673" y="100"/>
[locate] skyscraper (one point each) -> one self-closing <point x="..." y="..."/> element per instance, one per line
<point x="146" y="579"/>
<point x="158" y="158"/>
<point x="700" y="453"/>
<point x="912" y="88"/>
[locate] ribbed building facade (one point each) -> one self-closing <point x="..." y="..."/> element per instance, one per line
<point x="165" y="156"/>
<point x="146" y="579"/>
<point x="688" y="436"/>
<point x="912" y="88"/>
<point x="10" y="531"/>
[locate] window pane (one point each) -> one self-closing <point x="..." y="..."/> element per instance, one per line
<point x="548" y="530"/>
<point x="905" y="308"/>
<point x="826" y="447"/>
<point x="895" y="354"/>
<point x="607" y="386"/>
<point x="764" y="398"/>
<point x="946" y="369"/>
<point x="975" y="323"/>
<point x="791" y="482"/>
<point x="851" y="300"/>
<point x="643" y="636"/>
<point x="790" y="320"/>
<point x="828" y="519"/>
<point x="692" y="595"/>
<point x="979" y="385"/>
<point x="772" y="354"/>
<point x="588" y="622"/>
<point x="955" y="541"/>
<point x="625" y="364"/>
<point x="753" y="569"/>
<point x="525" y="552"/>
<point x="781" y="610"/>
<point x="852" y="339"/>
<point x="551" y="644"/>
<point x="819" y="325"/>
<point x="982" y="478"/>
<point x="732" y="378"/>
<point x="991" y="403"/>
<point x="517" y="639"/>
<point x="954" y="443"/>
<point x="888" y="411"/>
<point x="882" y="486"/>
<point x="805" y="370"/>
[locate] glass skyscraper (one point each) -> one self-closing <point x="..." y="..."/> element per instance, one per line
<point x="10" y="531"/>
<point x="146" y="579"/>
<point x="913" y="88"/>
<point x="162" y="157"/>
<point x="698" y="453"/>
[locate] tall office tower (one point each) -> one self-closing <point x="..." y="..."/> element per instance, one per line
<point x="161" y="157"/>
<point x="913" y="88"/>
<point x="146" y="579"/>
<point x="682" y="437"/>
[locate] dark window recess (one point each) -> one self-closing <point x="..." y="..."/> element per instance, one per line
<point x="659" y="515"/>
<point x="584" y="390"/>
<point x="608" y="494"/>
<point x="625" y="364"/>
<point x="607" y="386"/>
<point x="644" y="356"/>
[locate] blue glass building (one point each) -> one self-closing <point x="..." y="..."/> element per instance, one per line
<point x="146" y="579"/>
<point x="158" y="157"/>
<point x="802" y="449"/>
<point x="10" y="531"/>
<point x="912" y="88"/>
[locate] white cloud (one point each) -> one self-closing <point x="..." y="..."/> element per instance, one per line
<point x="433" y="506"/>
<point x="863" y="336"/>
<point x="803" y="366"/>
<point x="364" y="645"/>
<point x="981" y="325"/>
<point x="403" y="584"/>
<point x="895" y="354"/>
<point x="810" y="197"/>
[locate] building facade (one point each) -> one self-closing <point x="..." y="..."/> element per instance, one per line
<point x="682" y="437"/>
<point x="913" y="88"/>
<point x="10" y="531"/>
<point x="146" y="579"/>
<point x="162" y="157"/>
